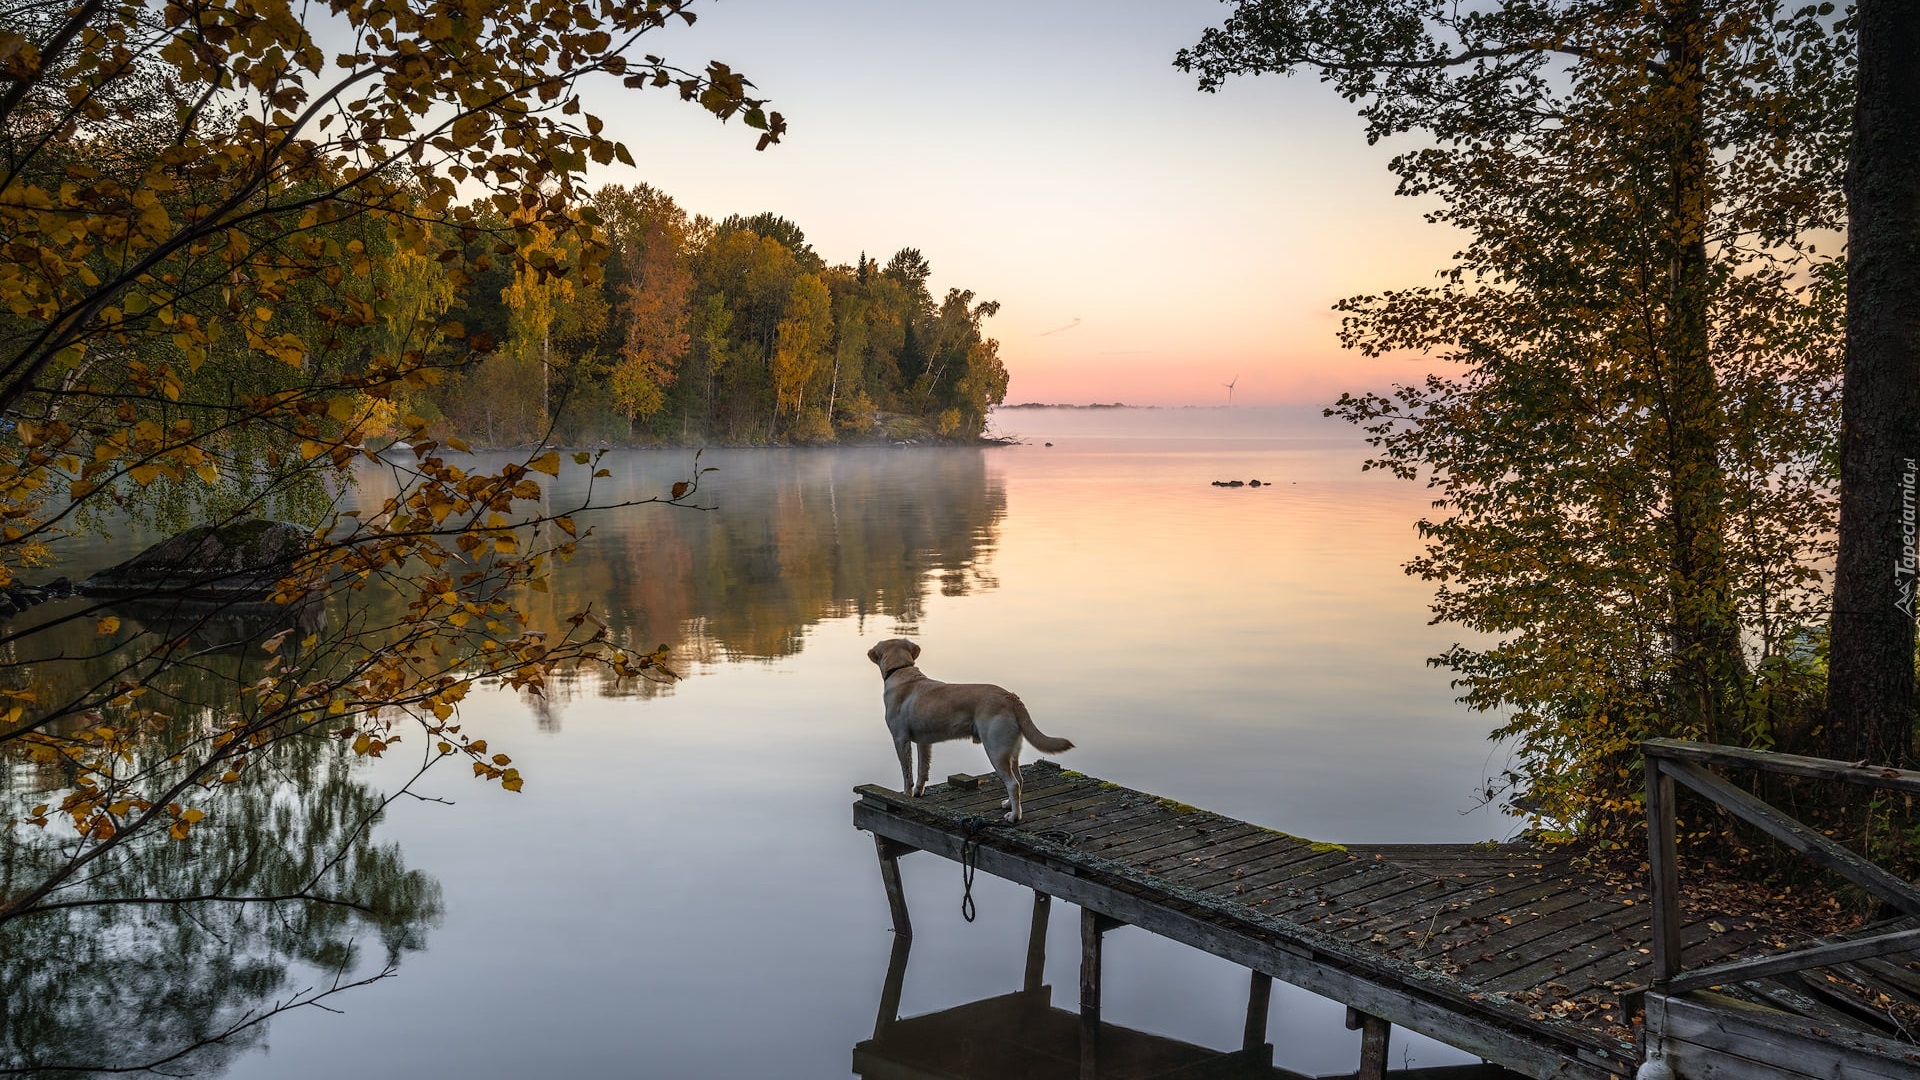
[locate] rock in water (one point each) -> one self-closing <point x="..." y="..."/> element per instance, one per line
<point x="240" y="560"/>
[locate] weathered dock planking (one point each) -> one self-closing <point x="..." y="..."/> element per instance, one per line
<point x="1508" y="952"/>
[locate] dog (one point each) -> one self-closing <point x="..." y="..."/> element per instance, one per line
<point x="923" y="711"/>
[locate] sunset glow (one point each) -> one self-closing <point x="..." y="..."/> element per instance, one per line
<point x="1148" y="242"/>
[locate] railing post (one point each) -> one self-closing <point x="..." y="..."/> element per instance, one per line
<point x="1663" y="875"/>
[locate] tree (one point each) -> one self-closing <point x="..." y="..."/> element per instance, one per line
<point x="774" y="227"/>
<point x="648" y="234"/>
<point x="202" y="210"/>
<point x="548" y="305"/>
<point x="1630" y="460"/>
<point x="799" y="352"/>
<point x="1870" y="688"/>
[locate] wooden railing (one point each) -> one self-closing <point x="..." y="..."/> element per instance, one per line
<point x="1671" y="761"/>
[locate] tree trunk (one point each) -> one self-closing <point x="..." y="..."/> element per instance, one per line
<point x="546" y="420"/>
<point x="833" y="388"/>
<point x="1870" y="674"/>
<point x="1708" y="665"/>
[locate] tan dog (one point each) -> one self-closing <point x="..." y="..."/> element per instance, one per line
<point x="923" y="711"/>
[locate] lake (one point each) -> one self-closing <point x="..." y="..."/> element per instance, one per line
<point x="678" y="891"/>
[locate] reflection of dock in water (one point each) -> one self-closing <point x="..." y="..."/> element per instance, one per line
<point x="1022" y="1036"/>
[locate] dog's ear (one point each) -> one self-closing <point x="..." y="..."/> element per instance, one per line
<point x="915" y="648"/>
<point x="873" y="654"/>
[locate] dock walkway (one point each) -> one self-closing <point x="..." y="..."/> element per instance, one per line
<point x="1503" y="951"/>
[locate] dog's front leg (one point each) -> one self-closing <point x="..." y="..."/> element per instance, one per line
<point x="905" y="750"/>
<point x="926" y="766"/>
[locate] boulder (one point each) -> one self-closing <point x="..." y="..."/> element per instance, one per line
<point x="239" y="560"/>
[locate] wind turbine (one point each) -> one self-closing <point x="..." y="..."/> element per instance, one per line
<point x="1229" y="386"/>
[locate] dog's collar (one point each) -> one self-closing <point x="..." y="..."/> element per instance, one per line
<point x="892" y="671"/>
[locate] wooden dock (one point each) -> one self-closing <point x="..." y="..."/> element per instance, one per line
<point x="1507" y="952"/>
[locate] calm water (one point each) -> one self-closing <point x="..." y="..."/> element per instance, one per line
<point x="679" y="892"/>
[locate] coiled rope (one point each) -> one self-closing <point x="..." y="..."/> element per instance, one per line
<point x="973" y="826"/>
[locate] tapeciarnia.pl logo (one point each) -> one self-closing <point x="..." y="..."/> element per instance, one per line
<point x="1903" y="568"/>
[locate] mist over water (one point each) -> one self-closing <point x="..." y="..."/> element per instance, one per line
<point x="679" y="891"/>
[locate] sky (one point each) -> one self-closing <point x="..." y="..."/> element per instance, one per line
<point x="1148" y="243"/>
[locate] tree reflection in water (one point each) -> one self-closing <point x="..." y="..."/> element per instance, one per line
<point x="157" y="952"/>
<point x="793" y="537"/>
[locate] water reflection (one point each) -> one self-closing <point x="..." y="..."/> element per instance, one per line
<point x="104" y="984"/>
<point x="785" y="539"/>
<point x="1022" y="1036"/>
<point x="211" y="624"/>
<point x="151" y="953"/>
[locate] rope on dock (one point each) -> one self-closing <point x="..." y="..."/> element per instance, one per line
<point x="972" y="825"/>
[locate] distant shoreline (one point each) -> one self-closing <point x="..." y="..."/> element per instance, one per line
<point x="1095" y="405"/>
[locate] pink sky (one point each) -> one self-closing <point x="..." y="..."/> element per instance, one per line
<point x="1148" y="243"/>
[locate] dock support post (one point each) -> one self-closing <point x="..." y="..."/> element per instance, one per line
<point x="890" y="990"/>
<point x="890" y="852"/>
<point x="1259" y="993"/>
<point x="1373" y="1043"/>
<point x="1663" y="875"/>
<point x="1093" y="927"/>
<point x="1037" y="943"/>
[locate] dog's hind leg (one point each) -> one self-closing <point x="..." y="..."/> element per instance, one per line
<point x="1012" y="776"/>
<point x="905" y="750"/>
<point x="1006" y="762"/>
<point x="926" y="766"/>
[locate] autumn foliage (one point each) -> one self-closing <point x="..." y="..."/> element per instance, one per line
<point x="1631" y="456"/>
<point x="231" y="234"/>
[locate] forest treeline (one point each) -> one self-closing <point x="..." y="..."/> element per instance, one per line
<point x="647" y="324"/>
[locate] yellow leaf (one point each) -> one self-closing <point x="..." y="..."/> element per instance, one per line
<point x="362" y="744"/>
<point x="548" y="463"/>
<point x="108" y="624"/>
<point x="192" y="816"/>
<point x="208" y="472"/>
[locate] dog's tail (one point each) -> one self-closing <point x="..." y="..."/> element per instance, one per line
<point x="1046" y="744"/>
